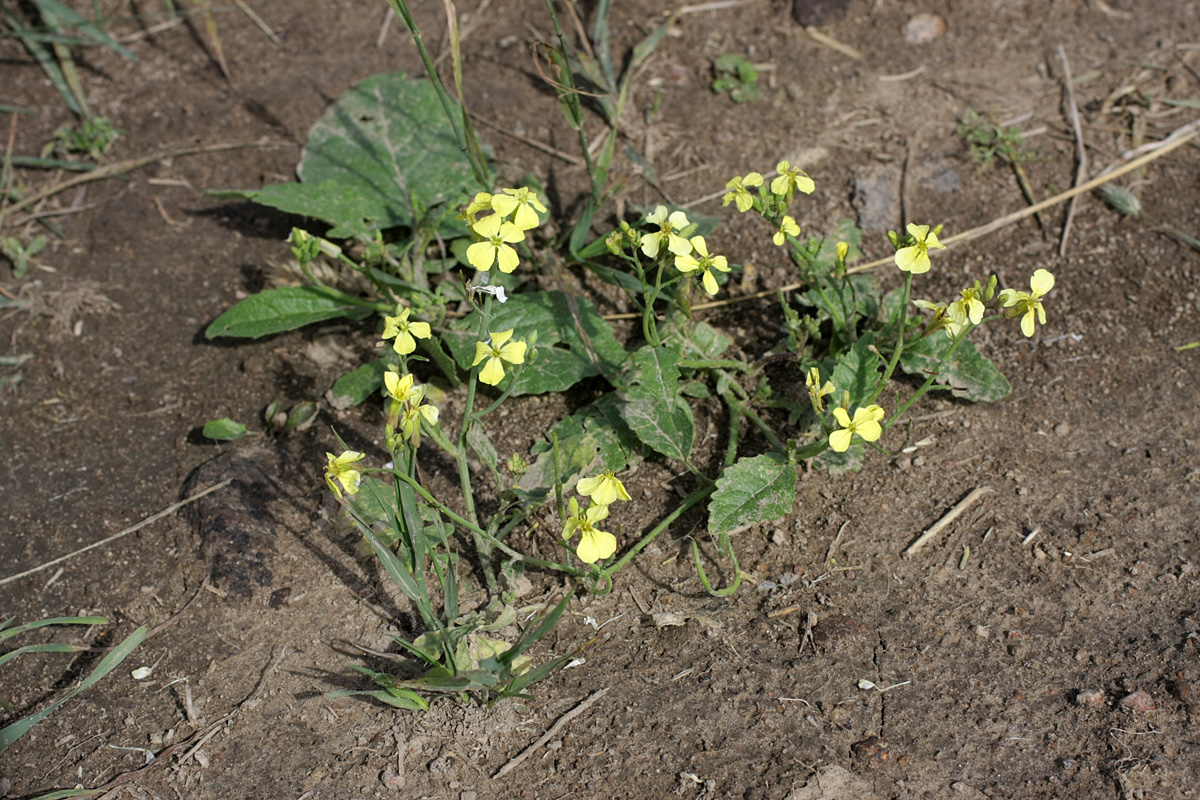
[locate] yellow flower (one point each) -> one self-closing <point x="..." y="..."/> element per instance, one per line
<point x="405" y="331"/>
<point x="594" y="545"/>
<point x="481" y="202"/>
<point x="603" y="489"/>
<point x="496" y="351"/>
<point x="414" y="412"/>
<point x="865" y="424"/>
<point x="523" y="201"/>
<point x="787" y="227"/>
<point x="817" y="391"/>
<point x="667" y="233"/>
<point x="739" y="191"/>
<point x="915" y="258"/>
<point x="791" y="179"/>
<point x="400" y="387"/>
<point x="344" y="469"/>
<point x="498" y="236"/>
<point x="1027" y="304"/>
<point x="843" y="248"/>
<point x="705" y="263"/>
<point x="969" y="307"/>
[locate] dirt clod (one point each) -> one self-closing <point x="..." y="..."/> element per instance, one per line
<point x="872" y="748"/>
<point x="1139" y="702"/>
<point x="1092" y="698"/>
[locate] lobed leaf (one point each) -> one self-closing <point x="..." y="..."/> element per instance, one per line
<point x="755" y="489"/>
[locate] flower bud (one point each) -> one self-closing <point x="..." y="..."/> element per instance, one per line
<point x="894" y="238"/>
<point x="990" y="292"/>
<point x="304" y="245"/>
<point x="842" y="249"/>
<point x="614" y="241"/>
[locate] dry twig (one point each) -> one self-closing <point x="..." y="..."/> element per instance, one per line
<point x="950" y="516"/>
<point x="152" y="518"/>
<point x="1081" y="151"/>
<point x="550" y="734"/>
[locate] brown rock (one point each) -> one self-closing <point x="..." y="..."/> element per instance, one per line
<point x="1139" y="702"/>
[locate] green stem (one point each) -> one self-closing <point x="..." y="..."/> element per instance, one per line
<point x="448" y="105"/>
<point x="482" y="546"/>
<point x="962" y="336"/>
<point x="715" y="364"/>
<point x="480" y="533"/>
<point x="689" y="501"/>
<point x="570" y="95"/>
<point x="901" y="323"/>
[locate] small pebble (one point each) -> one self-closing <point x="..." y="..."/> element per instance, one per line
<point x="1139" y="702"/>
<point x="1093" y="698"/>
<point x="903" y="463"/>
<point x="982" y="631"/>
<point x="873" y="748"/>
<point x="1062" y="429"/>
<point x="1082" y="655"/>
<point x="923" y="28"/>
<point x="919" y="461"/>
<point x="778" y="537"/>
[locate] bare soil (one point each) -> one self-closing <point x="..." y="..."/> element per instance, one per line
<point x="1011" y="641"/>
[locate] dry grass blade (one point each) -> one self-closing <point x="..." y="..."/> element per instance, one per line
<point x="120" y="168"/>
<point x="1177" y="139"/>
<point x="210" y="27"/>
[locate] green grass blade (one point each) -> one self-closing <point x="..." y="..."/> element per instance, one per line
<point x="41" y="623"/>
<point x="53" y="11"/>
<point x="46" y="61"/>
<point x="39" y="648"/>
<point x="16" y="730"/>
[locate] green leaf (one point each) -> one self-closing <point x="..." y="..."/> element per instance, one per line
<point x="389" y="139"/>
<point x="563" y="356"/>
<point x="708" y="341"/>
<point x="652" y="406"/>
<point x="384" y="154"/>
<point x="593" y="439"/>
<point x="6" y="632"/>
<point x="283" y="309"/>
<point x="753" y="490"/>
<point x="836" y="463"/>
<point x="10" y="733"/>
<point x="349" y="212"/>
<point x="858" y="372"/>
<point x="224" y="430"/>
<point x="478" y="441"/>
<point x="357" y="385"/>
<point x="971" y="375"/>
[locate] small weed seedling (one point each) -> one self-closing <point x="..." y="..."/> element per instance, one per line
<point x="737" y="76"/>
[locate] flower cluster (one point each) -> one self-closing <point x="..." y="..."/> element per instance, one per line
<point x="514" y="211"/>
<point x="594" y="544"/>
<point x="406" y="409"/>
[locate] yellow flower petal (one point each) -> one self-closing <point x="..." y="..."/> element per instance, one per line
<point x="481" y="255"/>
<point x="492" y="372"/>
<point x="482" y="351"/>
<point x="514" y="352"/>
<point x="710" y="283"/>
<point x="596" y="546"/>
<point x="1041" y="282"/>
<point x="839" y="441"/>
